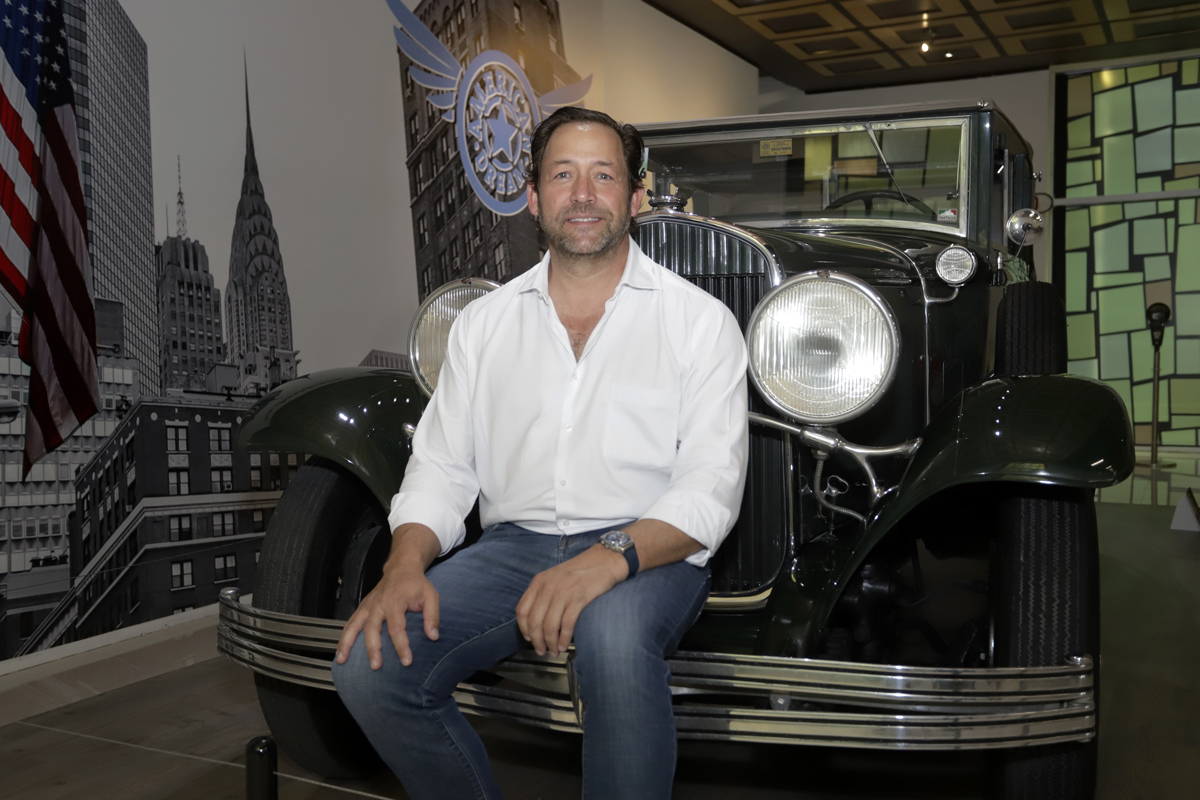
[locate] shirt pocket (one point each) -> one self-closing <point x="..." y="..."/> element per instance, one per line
<point x="642" y="428"/>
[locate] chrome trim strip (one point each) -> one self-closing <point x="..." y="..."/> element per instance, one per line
<point x="904" y="707"/>
<point x="741" y="603"/>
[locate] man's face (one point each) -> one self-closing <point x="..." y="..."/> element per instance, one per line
<point x="582" y="202"/>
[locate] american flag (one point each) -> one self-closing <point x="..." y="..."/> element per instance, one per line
<point x="44" y="264"/>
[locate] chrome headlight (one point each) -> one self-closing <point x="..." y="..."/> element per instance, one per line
<point x="955" y="265"/>
<point x="430" y="331"/>
<point x="823" y="347"/>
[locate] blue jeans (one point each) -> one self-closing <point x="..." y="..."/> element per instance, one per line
<point x="621" y="640"/>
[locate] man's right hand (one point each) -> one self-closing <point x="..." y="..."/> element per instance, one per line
<point x="402" y="588"/>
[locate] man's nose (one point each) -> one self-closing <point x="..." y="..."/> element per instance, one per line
<point x="584" y="190"/>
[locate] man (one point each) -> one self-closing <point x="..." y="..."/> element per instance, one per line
<point x="596" y="394"/>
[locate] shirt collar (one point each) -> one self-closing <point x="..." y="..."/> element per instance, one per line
<point x="640" y="273"/>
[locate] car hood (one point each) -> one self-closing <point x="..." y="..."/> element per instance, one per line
<point x="875" y="256"/>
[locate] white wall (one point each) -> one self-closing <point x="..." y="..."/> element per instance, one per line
<point x="649" y="68"/>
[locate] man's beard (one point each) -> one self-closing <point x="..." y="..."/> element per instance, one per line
<point x="563" y="241"/>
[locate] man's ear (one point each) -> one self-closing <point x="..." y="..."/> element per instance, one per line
<point x="635" y="202"/>
<point x="531" y="197"/>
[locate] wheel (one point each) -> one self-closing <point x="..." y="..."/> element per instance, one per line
<point x="1046" y="608"/>
<point x="323" y="550"/>
<point x="1031" y="331"/>
<point x="868" y="197"/>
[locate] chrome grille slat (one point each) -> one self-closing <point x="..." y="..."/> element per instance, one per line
<point x="735" y="271"/>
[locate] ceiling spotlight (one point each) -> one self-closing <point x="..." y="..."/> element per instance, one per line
<point x="949" y="55"/>
<point x="924" y="47"/>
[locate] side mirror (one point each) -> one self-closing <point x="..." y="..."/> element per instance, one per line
<point x="1025" y="227"/>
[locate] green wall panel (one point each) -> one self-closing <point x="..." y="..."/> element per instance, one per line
<point x="1108" y="279"/>
<point x="1114" y="356"/>
<point x="1087" y="368"/>
<point x="1138" y="210"/>
<point x="1187" y="211"/>
<point x="1152" y="184"/>
<point x="1187" y="107"/>
<point x="1112" y="248"/>
<point x="1079" y="172"/>
<point x="1122" y="309"/>
<point x="1187" y="355"/>
<point x="1155" y="103"/>
<point x="1190" y="72"/>
<point x="1114" y="112"/>
<point x="1187" y="145"/>
<point x="1124" y="390"/>
<point x="1177" y="438"/>
<point x="1182" y="421"/>
<point x="1185" y="395"/>
<point x="1079" y="133"/>
<point x="1119" y="174"/>
<point x="1081" y="336"/>
<point x="1078" y="233"/>
<point x="1186" y="314"/>
<point x="1143" y="401"/>
<point x="1156" y="268"/>
<point x="1149" y="236"/>
<point x="1143" y="354"/>
<point x="1077" y="282"/>
<point x="1153" y="151"/>
<point x="1103" y="215"/>
<point x="1187" y="265"/>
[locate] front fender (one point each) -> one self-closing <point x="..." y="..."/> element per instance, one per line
<point x="354" y="417"/>
<point x="1056" y="430"/>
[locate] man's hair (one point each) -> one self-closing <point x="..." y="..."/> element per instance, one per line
<point x="631" y="141"/>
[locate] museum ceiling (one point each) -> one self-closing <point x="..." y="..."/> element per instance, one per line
<point x="821" y="46"/>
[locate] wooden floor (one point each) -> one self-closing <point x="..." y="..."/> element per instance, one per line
<point x="181" y="734"/>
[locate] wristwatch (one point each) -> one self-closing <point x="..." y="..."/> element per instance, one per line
<point x="621" y="542"/>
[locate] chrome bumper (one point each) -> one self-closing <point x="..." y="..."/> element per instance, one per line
<point x="737" y="697"/>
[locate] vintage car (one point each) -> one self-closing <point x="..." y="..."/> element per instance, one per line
<point x="915" y="562"/>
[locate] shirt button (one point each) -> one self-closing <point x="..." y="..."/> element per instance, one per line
<point x="562" y="483"/>
<point x="566" y="523"/>
<point x="568" y="427"/>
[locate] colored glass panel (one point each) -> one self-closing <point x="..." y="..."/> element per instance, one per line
<point x="1114" y="112"/>
<point x="1135" y="210"/>
<point x="1178" y="421"/>
<point x="1189" y="74"/>
<point x="1170" y="234"/>
<point x="1114" y="356"/>
<point x="1079" y="133"/>
<point x="1157" y="268"/>
<point x="1183" y="183"/>
<point x="1187" y="211"/>
<point x="1122" y="309"/>
<point x="1079" y="96"/>
<point x="1187" y="145"/>
<point x="1112" y="248"/>
<point x="1152" y="184"/>
<point x="1187" y="314"/>
<point x="1187" y="267"/>
<point x="1081" y="336"/>
<point x="1119" y="177"/>
<point x="1187" y="356"/>
<point x="1187" y="107"/>
<point x="1142" y="72"/>
<point x="1143" y="401"/>
<point x="1155" y="104"/>
<point x="1166" y="206"/>
<point x="1108" y="279"/>
<point x="1159" y="292"/>
<point x="1107" y="79"/>
<point x="1149" y="236"/>
<point x="1185" y="395"/>
<point x="1077" y="287"/>
<point x="1083" y="152"/>
<point x="1142" y="352"/>
<point x="1087" y="190"/>
<point x="1087" y="368"/>
<point x="1079" y="172"/>
<point x="1103" y="215"/>
<point x="1178" y="438"/>
<point x="1153" y="151"/>
<point x="1078" y="232"/>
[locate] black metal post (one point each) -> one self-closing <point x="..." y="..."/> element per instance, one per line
<point x="262" y="759"/>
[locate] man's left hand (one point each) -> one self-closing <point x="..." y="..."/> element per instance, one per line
<point x="551" y="606"/>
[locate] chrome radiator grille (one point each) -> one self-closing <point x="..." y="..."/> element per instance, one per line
<point x="736" y="272"/>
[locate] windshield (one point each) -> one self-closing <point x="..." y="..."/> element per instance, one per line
<point x="828" y="173"/>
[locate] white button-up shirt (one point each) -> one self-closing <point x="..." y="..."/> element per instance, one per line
<point x="650" y="422"/>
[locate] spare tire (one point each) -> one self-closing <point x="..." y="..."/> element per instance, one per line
<point x="1031" y="331"/>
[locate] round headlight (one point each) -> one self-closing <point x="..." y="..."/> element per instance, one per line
<point x="430" y="331"/>
<point x="955" y="265"/>
<point x="823" y="347"/>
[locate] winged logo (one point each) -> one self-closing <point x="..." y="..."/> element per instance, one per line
<point x="491" y="104"/>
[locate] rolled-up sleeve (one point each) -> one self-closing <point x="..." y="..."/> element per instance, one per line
<point x="440" y="483"/>
<point x="705" y="490"/>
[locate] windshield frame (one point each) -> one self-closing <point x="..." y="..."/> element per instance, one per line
<point x="880" y="125"/>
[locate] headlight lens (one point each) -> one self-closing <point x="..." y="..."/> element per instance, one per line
<point x="430" y="331"/>
<point x="823" y="347"/>
<point x="955" y="265"/>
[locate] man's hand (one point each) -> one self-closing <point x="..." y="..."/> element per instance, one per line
<point x="551" y="606"/>
<point x="402" y="588"/>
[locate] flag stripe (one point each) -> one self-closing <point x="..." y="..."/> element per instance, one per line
<point x="15" y="92"/>
<point x="18" y="215"/>
<point x="12" y="279"/>
<point x="61" y="413"/>
<point x="71" y="280"/>
<point x="11" y="122"/>
<point x="65" y="157"/>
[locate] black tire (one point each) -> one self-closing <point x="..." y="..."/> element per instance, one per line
<point x="1031" y="331"/>
<point x="327" y="528"/>
<point x="1046" y="608"/>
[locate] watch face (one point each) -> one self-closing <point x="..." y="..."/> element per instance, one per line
<point x="617" y="540"/>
